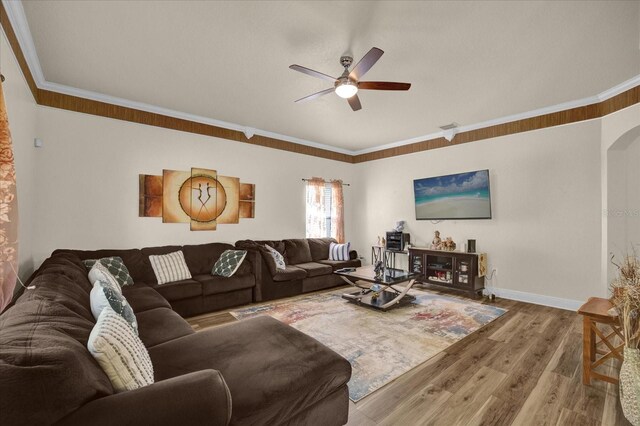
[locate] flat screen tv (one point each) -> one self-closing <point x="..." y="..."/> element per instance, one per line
<point x="459" y="196"/>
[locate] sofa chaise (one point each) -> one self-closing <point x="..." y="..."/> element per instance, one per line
<point x="251" y="372"/>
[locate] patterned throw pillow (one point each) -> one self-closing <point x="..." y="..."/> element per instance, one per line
<point x="277" y="257"/>
<point x="105" y="295"/>
<point x="99" y="272"/>
<point x="115" y="265"/>
<point x="339" y="251"/>
<point x="170" y="267"/>
<point x="120" y="352"/>
<point x="229" y="262"/>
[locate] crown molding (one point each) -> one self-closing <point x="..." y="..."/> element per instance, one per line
<point x="17" y="19"/>
<point x="607" y="94"/>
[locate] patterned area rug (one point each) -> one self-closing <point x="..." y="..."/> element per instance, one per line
<point x="380" y="346"/>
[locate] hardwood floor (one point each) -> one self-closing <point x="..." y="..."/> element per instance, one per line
<point x="522" y="369"/>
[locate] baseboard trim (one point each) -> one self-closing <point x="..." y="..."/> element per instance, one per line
<point x="537" y="299"/>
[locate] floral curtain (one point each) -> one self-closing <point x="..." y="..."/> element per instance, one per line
<point x="317" y="214"/>
<point x="8" y="211"/>
<point x="337" y="211"/>
<point x="325" y="209"/>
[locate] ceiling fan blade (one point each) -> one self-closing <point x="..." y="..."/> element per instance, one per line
<point x="316" y="95"/>
<point x="354" y="102"/>
<point x="383" y="85"/>
<point x="312" y="73"/>
<point x="365" y="63"/>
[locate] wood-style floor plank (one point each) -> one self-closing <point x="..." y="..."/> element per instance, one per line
<point x="522" y="369"/>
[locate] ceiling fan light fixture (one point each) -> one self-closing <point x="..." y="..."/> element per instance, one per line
<point x="346" y="89"/>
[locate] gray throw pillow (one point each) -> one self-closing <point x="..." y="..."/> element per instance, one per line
<point x="229" y="262"/>
<point x="115" y="265"/>
<point x="105" y="295"/>
<point x="277" y="257"/>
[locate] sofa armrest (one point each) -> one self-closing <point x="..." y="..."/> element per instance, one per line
<point x="353" y="255"/>
<point x="256" y="262"/>
<point x="199" y="398"/>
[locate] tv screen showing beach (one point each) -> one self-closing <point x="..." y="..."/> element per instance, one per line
<point x="459" y="196"/>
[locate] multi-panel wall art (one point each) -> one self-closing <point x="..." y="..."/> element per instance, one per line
<point x="201" y="197"/>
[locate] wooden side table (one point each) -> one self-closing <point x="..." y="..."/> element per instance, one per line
<point x="595" y="312"/>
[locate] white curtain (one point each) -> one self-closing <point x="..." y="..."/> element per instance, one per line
<point x="317" y="209"/>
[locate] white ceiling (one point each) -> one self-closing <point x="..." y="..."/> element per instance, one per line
<point x="468" y="62"/>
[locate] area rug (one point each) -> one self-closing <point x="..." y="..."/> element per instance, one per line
<point x="380" y="346"/>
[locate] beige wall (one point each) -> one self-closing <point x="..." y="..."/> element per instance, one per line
<point x="549" y="190"/>
<point x="88" y="183"/>
<point x="544" y="237"/>
<point x="22" y="111"/>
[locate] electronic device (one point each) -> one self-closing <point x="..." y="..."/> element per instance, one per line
<point x="396" y="241"/>
<point x="457" y="196"/>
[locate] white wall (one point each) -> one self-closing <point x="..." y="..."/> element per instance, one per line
<point x="633" y="194"/>
<point x="544" y="237"/>
<point x="619" y="130"/>
<point x="87" y="174"/>
<point x="21" y="108"/>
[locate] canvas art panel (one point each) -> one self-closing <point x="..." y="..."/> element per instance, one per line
<point x="199" y="197"/>
<point x="150" y="200"/>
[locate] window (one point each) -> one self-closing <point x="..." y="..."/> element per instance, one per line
<point x="324" y="209"/>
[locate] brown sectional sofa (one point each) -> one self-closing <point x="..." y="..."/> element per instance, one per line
<point x="204" y="292"/>
<point x="308" y="268"/>
<point x="253" y="372"/>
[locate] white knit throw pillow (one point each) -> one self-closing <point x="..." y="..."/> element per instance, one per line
<point x="120" y="352"/>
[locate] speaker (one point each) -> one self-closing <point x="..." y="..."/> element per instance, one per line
<point x="471" y="246"/>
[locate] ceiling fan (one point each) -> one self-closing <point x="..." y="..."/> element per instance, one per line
<point x="347" y="85"/>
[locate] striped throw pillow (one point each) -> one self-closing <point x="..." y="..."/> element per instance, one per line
<point x="339" y="251"/>
<point x="170" y="267"/>
<point x="120" y="352"/>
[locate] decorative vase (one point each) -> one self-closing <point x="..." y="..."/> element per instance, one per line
<point x="630" y="385"/>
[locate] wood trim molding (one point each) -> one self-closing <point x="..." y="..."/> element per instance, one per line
<point x="68" y="102"/>
<point x="103" y="109"/>
<point x="573" y="115"/>
<point x="17" y="51"/>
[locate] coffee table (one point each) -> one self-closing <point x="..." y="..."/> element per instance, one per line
<point x="388" y="296"/>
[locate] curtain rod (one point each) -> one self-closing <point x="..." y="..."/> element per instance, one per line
<point x="344" y="184"/>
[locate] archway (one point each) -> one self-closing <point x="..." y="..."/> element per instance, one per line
<point x="622" y="208"/>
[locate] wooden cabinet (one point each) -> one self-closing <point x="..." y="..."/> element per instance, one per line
<point x="451" y="269"/>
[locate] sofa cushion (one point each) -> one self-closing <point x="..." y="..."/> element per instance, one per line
<point x="320" y="248"/>
<point x="161" y="325"/>
<point x="170" y="267"/>
<point x="99" y="272"/>
<point x="297" y="251"/>
<point x="229" y="262"/>
<point x="148" y="275"/>
<point x="105" y="295"/>
<point x="215" y="284"/>
<point x="315" y="269"/>
<point x="141" y="297"/>
<point x="132" y="258"/>
<point x="116" y="267"/>
<point x="120" y="352"/>
<point x="273" y="371"/>
<point x="179" y="289"/>
<point x="290" y="273"/>
<point x="201" y="257"/>
<point x="337" y="264"/>
<point x="339" y="251"/>
<point x="43" y="339"/>
<point x="278" y="259"/>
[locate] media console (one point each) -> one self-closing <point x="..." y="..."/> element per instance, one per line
<point x="451" y="269"/>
